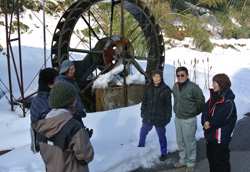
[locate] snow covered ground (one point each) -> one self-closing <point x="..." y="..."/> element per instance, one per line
<point x="116" y="132"/>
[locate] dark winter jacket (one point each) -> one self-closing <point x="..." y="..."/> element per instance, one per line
<point x="156" y="105"/>
<point x="38" y="110"/>
<point x="79" y="106"/>
<point x="188" y="102"/>
<point x="39" y="106"/>
<point x="222" y="115"/>
<point x="64" y="143"/>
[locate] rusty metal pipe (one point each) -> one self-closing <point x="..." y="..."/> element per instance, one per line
<point x="123" y="55"/>
<point x="8" y="55"/>
<point x="20" y="58"/>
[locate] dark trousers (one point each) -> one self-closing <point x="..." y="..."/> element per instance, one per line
<point x="161" y="132"/>
<point x="218" y="157"/>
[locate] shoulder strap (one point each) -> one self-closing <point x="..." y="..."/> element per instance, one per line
<point x="64" y="137"/>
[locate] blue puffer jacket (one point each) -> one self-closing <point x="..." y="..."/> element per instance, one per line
<point x="39" y="106"/>
<point x="79" y="106"/>
<point x="221" y="113"/>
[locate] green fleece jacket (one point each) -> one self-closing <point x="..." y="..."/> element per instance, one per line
<point x="189" y="102"/>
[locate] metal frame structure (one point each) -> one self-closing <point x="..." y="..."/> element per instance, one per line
<point x="10" y="55"/>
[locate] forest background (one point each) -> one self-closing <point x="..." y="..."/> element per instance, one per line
<point x="177" y="18"/>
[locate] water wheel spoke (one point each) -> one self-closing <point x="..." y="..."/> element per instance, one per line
<point x="132" y="31"/>
<point x="138" y="67"/>
<point x="85" y="51"/>
<point x="72" y="51"/>
<point x="111" y="17"/>
<point x="92" y="30"/>
<point x="145" y="58"/>
<point x="98" y="24"/>
<point x="142" y="31"/>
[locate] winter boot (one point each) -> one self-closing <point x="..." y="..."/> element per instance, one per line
<point x="163" y="157"/>
<point x="140" y="145"/>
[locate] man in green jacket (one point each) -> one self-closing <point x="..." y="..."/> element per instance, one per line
<point x="188" y="103"/>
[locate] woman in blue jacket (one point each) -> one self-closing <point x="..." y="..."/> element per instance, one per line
<point x="218" y="119"/>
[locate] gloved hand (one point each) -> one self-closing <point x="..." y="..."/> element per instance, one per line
<point x="84" y="113"/>
<point x="89" y="131"/>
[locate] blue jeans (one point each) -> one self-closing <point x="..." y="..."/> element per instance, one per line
<point x="161" y="132"/>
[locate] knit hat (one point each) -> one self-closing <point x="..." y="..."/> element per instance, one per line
<point x="61" y="95"/>
<point x="66" y="65"/>
<point x="157" y="71"/>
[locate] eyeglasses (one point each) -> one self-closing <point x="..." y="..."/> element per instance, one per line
<point x="73" y="69"/>
<point x="180" y="75"/>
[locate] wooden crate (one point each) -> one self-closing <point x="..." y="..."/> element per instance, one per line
<point x="113" y="97"/>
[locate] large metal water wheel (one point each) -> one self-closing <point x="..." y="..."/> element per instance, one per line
<point x="96" y="26"/>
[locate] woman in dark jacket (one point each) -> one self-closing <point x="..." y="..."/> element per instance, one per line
<point x="40" y="104"/>
<point x="218" y="118"/>
<point x="156" y="110"/>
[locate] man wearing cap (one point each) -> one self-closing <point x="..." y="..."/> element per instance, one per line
<point x="156" y="110"/>
<point x="67" y="72"/>
<point x="64" y="143"/>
